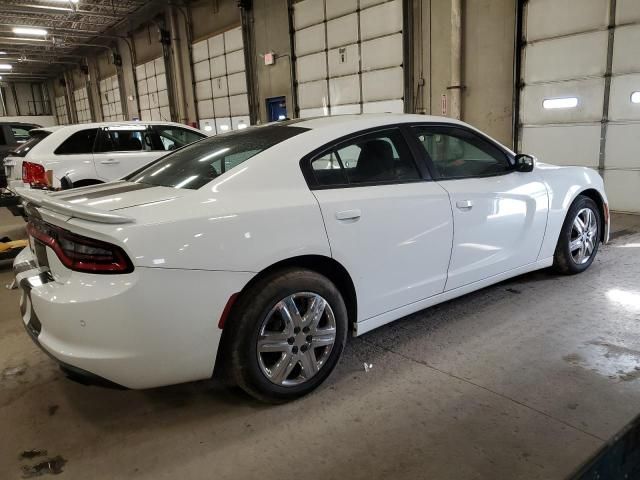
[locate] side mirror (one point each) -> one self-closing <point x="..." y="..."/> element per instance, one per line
<point x="524" y="162"/>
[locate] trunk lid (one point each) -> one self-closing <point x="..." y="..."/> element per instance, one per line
<point x="100" y="203"/>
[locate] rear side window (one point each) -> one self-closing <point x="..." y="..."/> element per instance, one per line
<point x="35" y="137"/>
<point x="124" y="140"/>
<point x="378" y="157"/>
<point x="79" y="142"/>
<point x="172" y="138"/>
<point x="197" y="164"/>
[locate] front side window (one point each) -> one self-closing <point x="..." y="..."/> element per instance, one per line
<point x="172" y="138"/>
<point x="79" y="142"/>
<point x="199" y="163"/>
<point x="379" y="157"/>
<point x="124" y="140"/>
<point x="457" y="153"/>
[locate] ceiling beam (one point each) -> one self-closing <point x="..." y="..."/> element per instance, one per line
<point x="57" y="11"/>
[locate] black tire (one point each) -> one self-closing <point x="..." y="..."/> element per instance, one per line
<point x="246" y="320"/>
<point x="563" y="260"/>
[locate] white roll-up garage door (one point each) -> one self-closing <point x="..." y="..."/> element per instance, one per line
<point x="61" y="110"/>
<point x="110" y="99"/>
<point x="83" y="111"/>
<point x="221" y="82"/>
<point x="349" y="56"/>
<point x="152" y="90"/>
<point x="571" y="113"/>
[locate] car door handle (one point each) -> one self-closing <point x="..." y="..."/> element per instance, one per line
<point x="111" y="161"/>
<point x="348" y="215"/>
<point x="464" y="204"/>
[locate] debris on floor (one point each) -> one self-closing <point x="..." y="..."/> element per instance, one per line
<point x="14" y="371"/>
<point x="36" y="452"/>
<point x="368" y="367"/>
<point x="513" y="290"/>
<point x="9" y="249"/>
<point x="51" y="465"/>
<point x="53" y="409"/>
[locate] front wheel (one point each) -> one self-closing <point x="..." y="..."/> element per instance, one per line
<point x="287" y="335"/>
<point x="579" y="238"/>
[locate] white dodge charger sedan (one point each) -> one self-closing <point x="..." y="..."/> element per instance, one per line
<point x="254" y="253"/>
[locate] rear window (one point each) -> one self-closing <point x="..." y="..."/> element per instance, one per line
<point x="21" y="132"/>
<point x="197" y="164"/>
<point x="35" y="137"/>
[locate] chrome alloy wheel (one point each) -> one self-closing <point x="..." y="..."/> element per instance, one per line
<point x="584" y="233"/>
<point x="296" y="338"/>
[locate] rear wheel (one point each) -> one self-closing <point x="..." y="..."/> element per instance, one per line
<point x="579" y="238"/>
<point x="287" y="335"/>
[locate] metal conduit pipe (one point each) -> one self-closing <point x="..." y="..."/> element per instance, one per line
<point x="176" y="58"/>
<point x="455" y="83"/>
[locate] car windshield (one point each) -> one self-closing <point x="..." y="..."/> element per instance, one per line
<point x="36" y="136"/>
<point x="198" y="163"/>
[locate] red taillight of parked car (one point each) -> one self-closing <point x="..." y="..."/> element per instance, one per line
<point x="80" y="253"/>
<point x="34" y="174"/>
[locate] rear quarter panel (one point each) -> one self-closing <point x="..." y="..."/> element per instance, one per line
<point x="246" y="220"/>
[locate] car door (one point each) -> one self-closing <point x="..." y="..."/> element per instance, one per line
<point x="499" y="214"/>
<point x="121" y="149"/>
<point x="387" y="222"/>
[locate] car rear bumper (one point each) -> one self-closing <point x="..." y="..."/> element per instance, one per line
<point x="149" y="328"/>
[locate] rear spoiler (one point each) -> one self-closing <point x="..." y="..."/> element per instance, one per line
<point x="42" y="199"/>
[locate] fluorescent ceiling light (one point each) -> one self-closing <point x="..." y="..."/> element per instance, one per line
<point x="29" y="31"/>
<point x="567" y="102"/>
<point x="5" y="66"/>
<point x="3" y="53"/>
<point x="65" y="1"/>
<point x="635" y="97"/>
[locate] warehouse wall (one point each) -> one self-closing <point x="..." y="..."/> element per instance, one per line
<point x="270" y="24"/>
<point x="487" y="60"/>
<point x="487" y="68"/>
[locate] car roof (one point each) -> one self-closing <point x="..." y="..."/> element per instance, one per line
<point x="363" y="120"/>
<point x="26" y="124"/>
<point x="82" y="126"/>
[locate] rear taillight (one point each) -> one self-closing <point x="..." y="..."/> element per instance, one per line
<point x="34" y="174"/>
<point x="79" y="253"/>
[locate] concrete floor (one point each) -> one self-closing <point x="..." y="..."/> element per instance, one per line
<point x="525" y="379"/>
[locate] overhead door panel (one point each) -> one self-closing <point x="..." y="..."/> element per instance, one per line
<point x="110" y="99"/>
<point x="81" y="99"/>
<point x="61" y="110"/>
<point x="221" y="82"/>
<point x="573" y="109"/>
<point x="342" y="47"/>
<point x="152" y="80"/>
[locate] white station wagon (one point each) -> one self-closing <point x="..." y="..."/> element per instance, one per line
<point x="255" y="252"/>
<point x="72" y="156"/>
